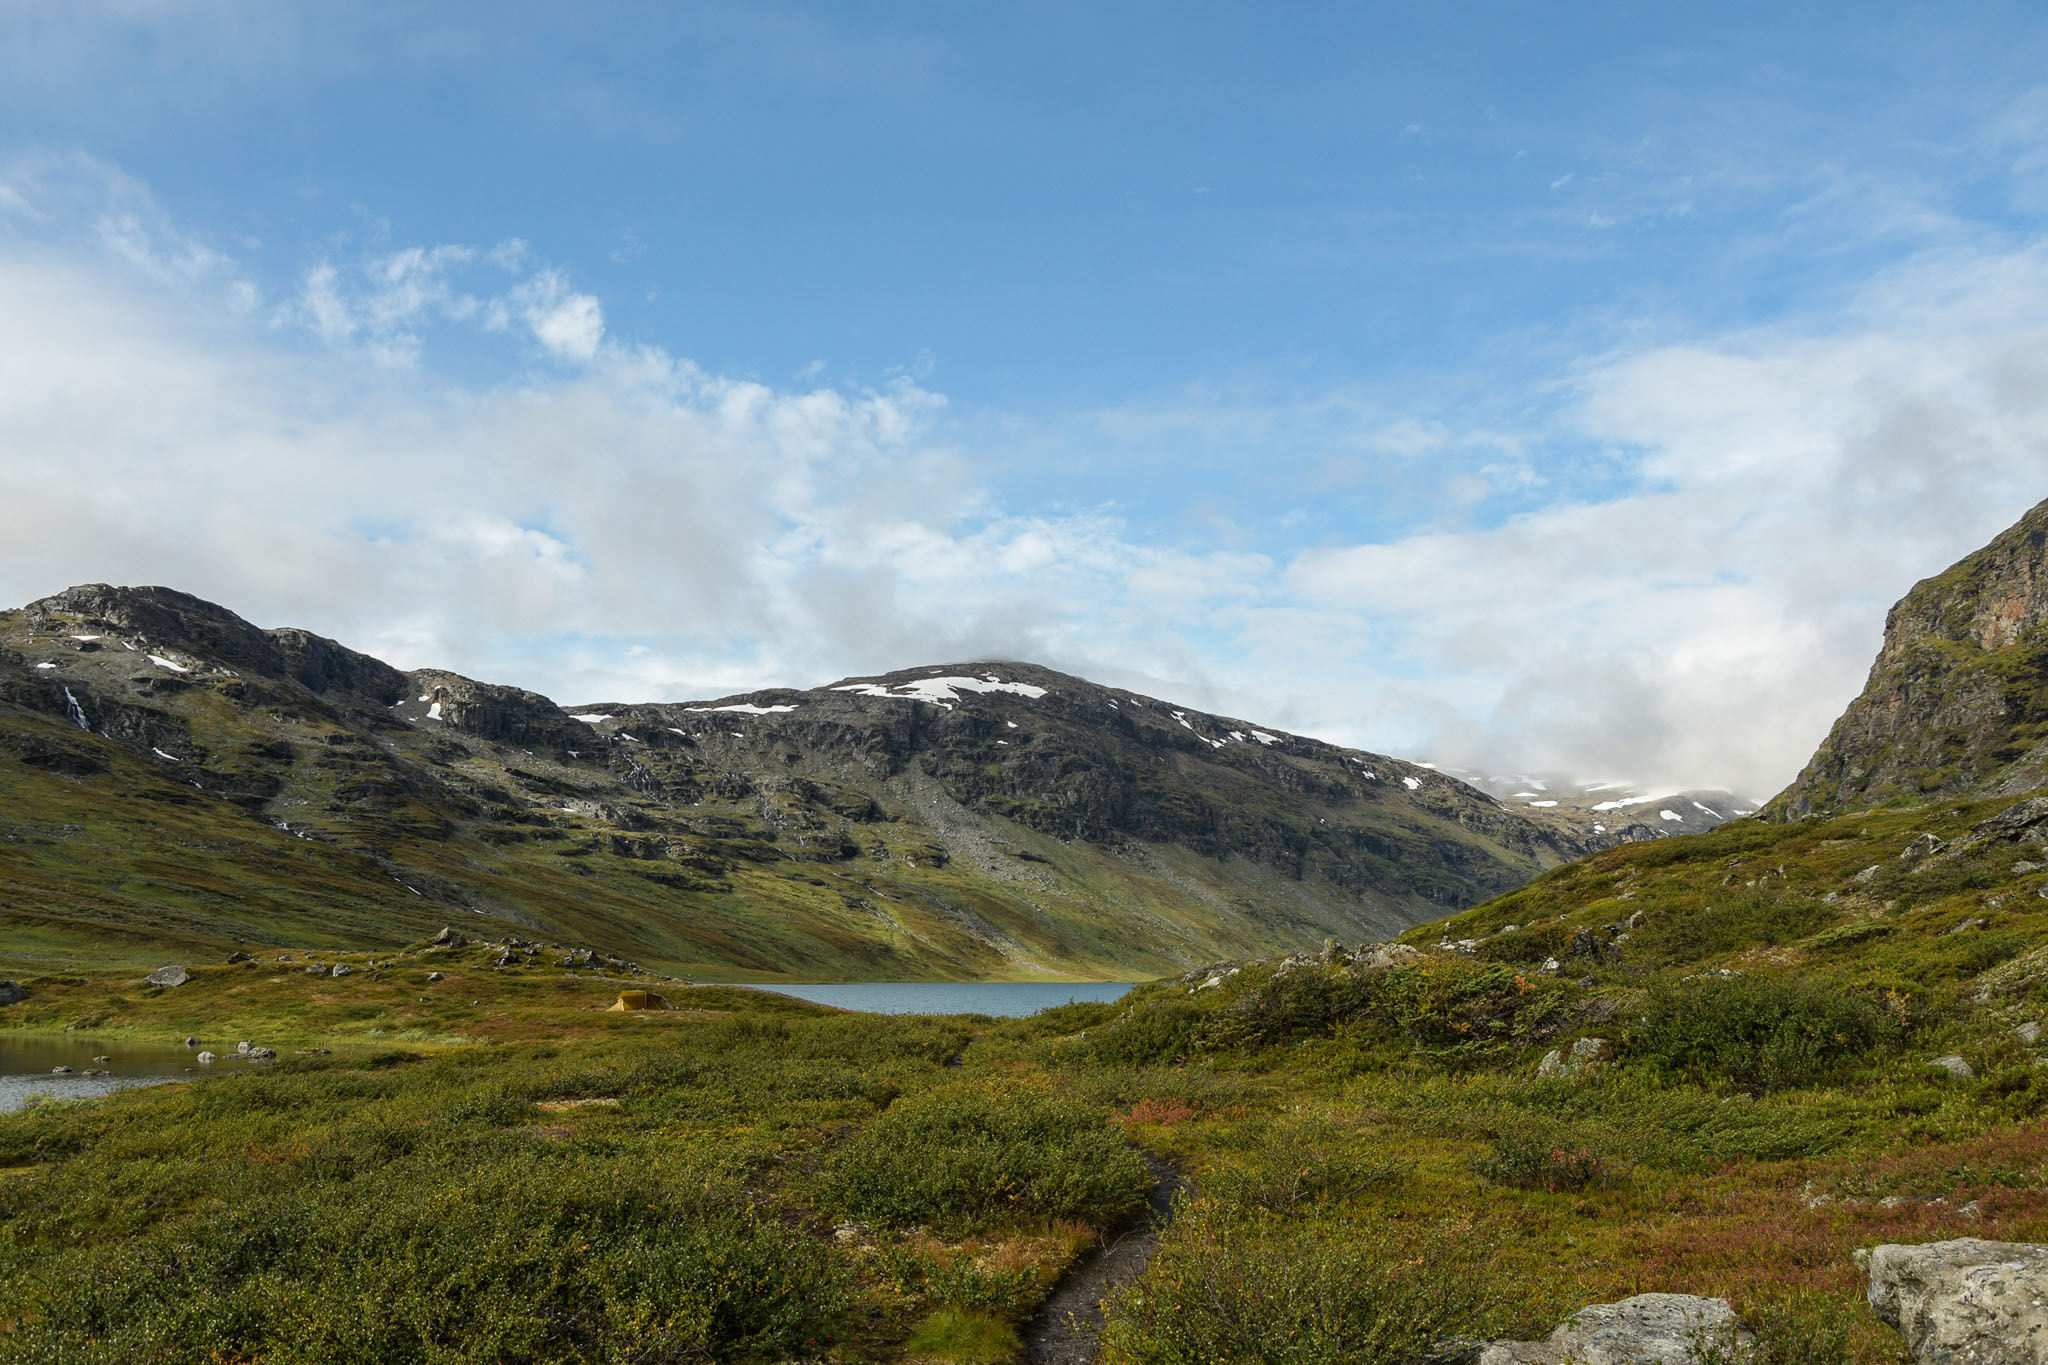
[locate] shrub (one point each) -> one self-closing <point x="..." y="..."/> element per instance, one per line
<point x="1251" y="1288"/>
<point x="533" y="1260"/>
<point x="1764" y="1032"/>
<point x="1737" y="919"/>
<point x="965" y="1153"/>
<point x="1553" y="1160"/>
<point x="1148" y="1034"/>
<point x="1293" y="1167"/>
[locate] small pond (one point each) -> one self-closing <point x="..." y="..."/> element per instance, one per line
<point x="1005" y="998"/>
<point x="28" y="1067"/>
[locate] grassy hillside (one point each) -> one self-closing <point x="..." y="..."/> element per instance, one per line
<point x="1796" y="1042"/>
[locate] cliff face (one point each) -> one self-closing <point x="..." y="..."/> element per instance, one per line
<point x="1957" y="701"/>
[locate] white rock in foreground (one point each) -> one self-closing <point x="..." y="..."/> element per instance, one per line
<point x="1965" y="1302"/>
<point x="1649" y="1329"/>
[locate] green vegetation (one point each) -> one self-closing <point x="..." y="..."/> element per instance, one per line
<point x="1378" y="1156"/>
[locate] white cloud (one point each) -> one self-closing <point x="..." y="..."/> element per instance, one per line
<point x="632" y="526"/>
<point x="568" y="324"/>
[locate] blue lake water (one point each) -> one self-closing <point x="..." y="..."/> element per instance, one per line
<point x="28" y="1068"/>
<point x="1005" y="998"/>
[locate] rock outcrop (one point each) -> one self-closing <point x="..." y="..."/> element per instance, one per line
<point x="1965" y="1302"/>
<point x="1957" y="701"/>
<point x="1649" y="1329"/>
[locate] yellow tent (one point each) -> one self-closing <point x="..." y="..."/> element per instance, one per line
<point x="637" y="1000"/>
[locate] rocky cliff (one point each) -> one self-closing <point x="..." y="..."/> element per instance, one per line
<point x="1957" y="701"/>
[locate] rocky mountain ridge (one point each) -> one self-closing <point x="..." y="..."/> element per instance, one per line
<point x="965" y="819"/>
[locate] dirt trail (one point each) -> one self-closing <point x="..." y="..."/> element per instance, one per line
<point x="1069" y="1324"/>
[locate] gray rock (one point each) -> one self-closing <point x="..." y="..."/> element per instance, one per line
<point x="261" y="1054"/>
<point x="1955" y="1066"/>
<point x="11" y="994"/>
<point x="436" y="976"/>
<point x="1383" y="955"/>
<point x="2029" y="1032"/>
<point x="242" y="1048"/>
<point x="1923" y="846"/>
<point x="2023" y="867"/>
<point x="1563" y="1064"/>
<point x="205" y="1059"/>
<point x="341" y="969"/>
<point x="1649" y="1329"/>
<point x="1864" y="877"/>
<point x="168" y="976"/>
<point x="103" y="1059"/>
<point x="449" y="938"/>
<point x="60" y="1071"/>
<point x="315" y="969"/>
<point x="233" y="958"/>
<point x="2011" y="822"/>
<point x="1965" y="1302"/>
<point x="191" y="1041"/>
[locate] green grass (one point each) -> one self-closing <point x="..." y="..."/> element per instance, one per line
<point x="502" y="1171"/>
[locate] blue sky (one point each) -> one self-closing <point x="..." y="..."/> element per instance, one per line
<point x="1526" y="386"/>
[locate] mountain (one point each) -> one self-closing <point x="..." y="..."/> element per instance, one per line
<point x="1606" y="813"/>
<point x="174" y="776"/>
<point x="1956" y="704"/>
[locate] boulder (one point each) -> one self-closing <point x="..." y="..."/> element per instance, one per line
<point x="2028" y="1033"/>
<point x="60" y="1071"/>
<point x="206" y="1059"/>
<point x="242" y="1048"/>
<point x="191" y="1041"/>
<point x="11" y="994"/>
<point x="1649" y="1329"/>
<point x="1955" y="1066"/>
<point x="262" y="1054"/>
<point x="1382" y="955"/>
<point x="168" y="976"/>
<point x="1924" y="846"/>
<point x="436" y="976"/>
<point x="1965" y="1302"/>
<point x="341" y="969"/>
<point x="233" y="958"/>
<point x="449" y="938"/>
<point x="1562" y="1064"/>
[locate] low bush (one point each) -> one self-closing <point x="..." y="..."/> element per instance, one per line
<point x="534" y="1259"/>
<point x="1763" y="1032"/>
<point x="1150" y="1034"/>
<point x="1292" y="1167"/>
<point x="963" y="1154"/>
<point x="1228" y="1285"/>
<point x="1540" y="1158"/>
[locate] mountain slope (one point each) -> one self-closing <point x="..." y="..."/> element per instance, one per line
<point x="1957" y="701"/>
<point x="174" y="775"/>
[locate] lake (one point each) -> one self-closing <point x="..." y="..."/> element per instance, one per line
<point x="26" y="1067"/>
<point x="1005" y="998"/>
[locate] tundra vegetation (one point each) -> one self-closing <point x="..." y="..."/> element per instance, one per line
<point x="1382" y="1151"/>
